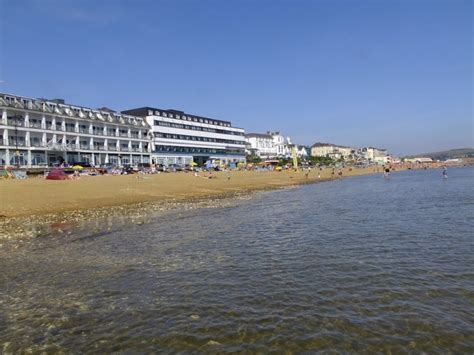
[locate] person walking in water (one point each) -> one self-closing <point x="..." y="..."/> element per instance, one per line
<point x="445" y="172"/>
<point x="386" y="172"/>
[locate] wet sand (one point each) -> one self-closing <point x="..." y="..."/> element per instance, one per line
<point x="35" y="207"/>
<point x="37" y="196"/>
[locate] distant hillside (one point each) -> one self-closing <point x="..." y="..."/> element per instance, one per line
<point x="448" y="154"/>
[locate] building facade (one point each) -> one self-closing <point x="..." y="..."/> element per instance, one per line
<point x="372" y="153"/>
<point x="261" y="145"/>
<point x="181" y="138"/>
<point x="270" y="145"/>
<point x="40" y="132"/>
<point x="331" y="150"/>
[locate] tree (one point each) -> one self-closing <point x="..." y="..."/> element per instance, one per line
<point x="252" y="158"/>
<point x="320" y="160"/>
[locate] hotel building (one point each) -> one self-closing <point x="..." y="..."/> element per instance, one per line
<point x="181" y="138"/>
<point x="40" y="132"/>
<point x="331" y="150"/>
<point x="272" y="145"/>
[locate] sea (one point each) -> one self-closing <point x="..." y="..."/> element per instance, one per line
<point x="359" y="265"/>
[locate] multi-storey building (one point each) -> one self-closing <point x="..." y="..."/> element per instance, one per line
<point x="331" y="150"/>
<point x="40" y="132"/>
<point x="372" y="153"/>
<point x="181" y="138"/>
<point x="261" y="145"/>
<point x="271" y="145"/>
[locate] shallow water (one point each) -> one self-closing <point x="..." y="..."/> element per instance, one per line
<point x="363" y="264"/>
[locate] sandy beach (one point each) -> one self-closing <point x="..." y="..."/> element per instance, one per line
<point x="37" y="196"/>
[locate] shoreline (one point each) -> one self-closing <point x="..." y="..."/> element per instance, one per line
<point x="42" y="209"/>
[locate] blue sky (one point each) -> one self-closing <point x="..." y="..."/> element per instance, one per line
<point x="395" y="74"/>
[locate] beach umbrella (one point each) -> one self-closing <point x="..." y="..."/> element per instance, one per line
<point x="77" y="167"/>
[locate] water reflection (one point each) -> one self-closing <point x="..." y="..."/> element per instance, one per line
<point x="362" y="264"/>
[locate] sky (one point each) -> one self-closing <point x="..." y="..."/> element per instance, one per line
<point x="396" y="74"/>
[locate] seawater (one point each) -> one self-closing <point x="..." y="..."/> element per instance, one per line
<point x="363" y="264"/>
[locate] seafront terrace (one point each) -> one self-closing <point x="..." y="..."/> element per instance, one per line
<point x="37" y="132"/>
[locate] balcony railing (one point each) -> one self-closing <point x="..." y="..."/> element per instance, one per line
<point x="17" y="143"/>
<point x="112" y="148"/>
<point x="18" y="123"/>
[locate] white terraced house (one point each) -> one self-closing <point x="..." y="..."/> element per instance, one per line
<point x="181" y="138"/>
<point x="40" y="132"/>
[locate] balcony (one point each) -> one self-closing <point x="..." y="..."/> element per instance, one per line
<point x="19" y="143"/>
<point x="84" y="146"/>
<point x="35" y="125"/>
<point x="20" y="122"/>
<point x="113" y="148"/>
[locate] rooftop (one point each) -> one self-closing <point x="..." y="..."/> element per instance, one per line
<point x="319" y="144"/>
<point x="60" y="107"/>
<point x="259" y="135"/>
<point x="145" y="111"/>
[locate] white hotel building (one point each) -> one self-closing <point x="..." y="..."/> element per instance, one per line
<point x="181" y="138"/>
<point x="40" y="132"/>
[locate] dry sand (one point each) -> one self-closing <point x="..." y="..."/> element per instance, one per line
<point x="37" y="196"/>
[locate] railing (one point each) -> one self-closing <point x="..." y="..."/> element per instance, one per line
<point x="112" y="148"/>
<point x="17" y="143"/>
<point x="18" y="123"/>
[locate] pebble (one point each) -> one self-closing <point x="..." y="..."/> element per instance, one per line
<point x="23" y="228"/>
